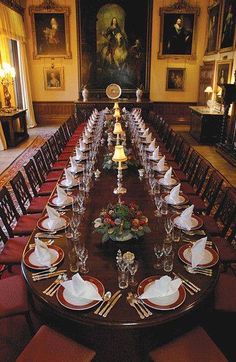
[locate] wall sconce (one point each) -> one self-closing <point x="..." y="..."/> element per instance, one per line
<point x="7" y="75"/>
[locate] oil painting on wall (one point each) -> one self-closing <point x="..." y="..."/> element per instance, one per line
<point x="114" y="43"/>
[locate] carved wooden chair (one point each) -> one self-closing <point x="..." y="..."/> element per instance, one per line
<point x="51" y="159"/>
<point x="194" y="186"/>
<point x="44" y="168"/>
<point x="188" y="168"/>
<point x="28" y="204"/>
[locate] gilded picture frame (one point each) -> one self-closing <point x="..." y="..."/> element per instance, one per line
<point x="54" y="78"/>
<point x="50" y="26"/>
<point x="114" y="45"/>
<point x="223" y="75"/>
<point x="228" y="26"/>
<point x="178" y="31"/>
<point x="175" y="79"/>
<point x="213" y="33"/>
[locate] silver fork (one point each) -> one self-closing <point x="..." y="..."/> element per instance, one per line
<point x="191" y="270"/>
<point x="140" y="301"/>
<point x="56" y="287"/>
<point x="51" y="286"/>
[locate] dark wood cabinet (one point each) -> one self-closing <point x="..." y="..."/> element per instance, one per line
<point x="205" y="124"/>
<point x="14" y="126"/>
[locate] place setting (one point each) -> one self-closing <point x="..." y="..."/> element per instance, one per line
<point x="75" y="167"/>
<point x="187" y="220"/>
<point x="174" y="198"/>
<point x="160" y="166"/>
<point x="60" y="199"/>
<point x="43" y="256"/>
<point x="69" y="181"/>
<point x="167" y="180"/>
<point x="79" y="155"/>
<point x="52" y="221"/>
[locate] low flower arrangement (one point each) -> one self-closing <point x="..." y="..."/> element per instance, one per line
<point x="121" y="222"/>
<point x="108" y="164"/>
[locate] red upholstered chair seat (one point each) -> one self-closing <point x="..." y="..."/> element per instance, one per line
<point x="13" y="250"/>
<point x="50" y="346"/>
<point x="13" y="296"/>
<point x="198" y="203"/>
<point x="26" y="224"/>
<point x="225" y="293"/>
<point x="187" y="188"/>
<point x="181" y="175"/>
<point x="69" y="149"/>
<point x="226" y="251"/>
<point x="59" y="165"/>
<point x="47" y="188"/>
<point x="64" y="156"/>
<point x="54" y="175"/>
<point x="37" y="204"/>
<point x="210" y="225"/>
<point x="173" y="164"/>
<point x="193" y="346"/>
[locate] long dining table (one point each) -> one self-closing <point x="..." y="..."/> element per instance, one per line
<point x="122" y="335"/>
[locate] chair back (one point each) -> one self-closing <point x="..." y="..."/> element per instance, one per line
<point x="47" y="155"/>
<point x="3" y="237"/>
<point x="200" y="175"/>
<point x="8" y="212"/>
<point x="190" y="166"/>
<point x="212" y="190"/>
<point x="21" y="191"/>
<point x="226" y="212"/>
<point x="33" y="176"/>
<point x="183" y="154"/>
<point x="53" y="148"/>
<point x="41" y="165"/>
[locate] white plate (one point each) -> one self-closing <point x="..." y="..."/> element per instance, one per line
<point x="46" y="224"/>
<point x="79" y="168"/>
<point x="180" y="200"/>
<point x="173" y="182"/>
<point x="54" y="201"/>
<point x="161" y="171"/>
<point x="194" y="222"/>
<point x="53" y="258"/>
<point x="206" y="259"/>
<point x="64" y="183"/>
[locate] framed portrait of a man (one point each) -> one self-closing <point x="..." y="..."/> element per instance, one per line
<point x="175" y="79"/>
<point x="213" y="28"/>
<point x="178" y="31"/>
<point x="50" y="31"/>
<point x="53" y="78"/>
<point x="228" y="24"/>
<point x="114" y="45"/>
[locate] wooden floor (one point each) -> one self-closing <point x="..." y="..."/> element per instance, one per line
<point x="210" y="154"/>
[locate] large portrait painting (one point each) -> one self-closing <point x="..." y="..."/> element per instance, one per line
<point x="213" y="28"/>
<point x="178" y="31"/>
<point x="228" y="24"/>
<point x="50" y="25"/>
<point x="114" y="44"/>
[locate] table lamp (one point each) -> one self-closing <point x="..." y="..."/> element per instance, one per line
<point x="208" y="90"/>
<point x="118" y="131"/>
<point x="7" y="75"/>
<point x="119" y="156"/>
<point x="117" y="113"/>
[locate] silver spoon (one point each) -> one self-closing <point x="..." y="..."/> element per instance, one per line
<point x="198" y="271"/>
<point x="106" y="297"/>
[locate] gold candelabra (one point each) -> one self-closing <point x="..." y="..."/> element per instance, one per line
<point x="7" y="75"/>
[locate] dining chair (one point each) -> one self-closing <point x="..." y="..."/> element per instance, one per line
<point x="51" y="159"/>
<point x="48" y="345"/>
<point x="193" y="346"/>
<point x="204" y="203"/>
<point x="62" y="155"/>
<point x="44" y="168"/>
<point x="225" y="293"/>
<point x="186" y="172"/>
<point x="225" y="214"/>
<point x="194" y="186"/>
<point x="227" y="248"/>
<point x="12" y="251"/>
<point x="15" y="224"/>
<point x="38" y="186"/>
<point x="27" y="203"/>
<point x="14" y="299"/>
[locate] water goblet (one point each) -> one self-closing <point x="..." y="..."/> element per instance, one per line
<point x="83" y="256"/>
<point x="168" y="224"/>
<point x="158" y="250"/>
<point x="167" y="247"/>
<point x="158" y="204"/>
<point x="133" y="268"/>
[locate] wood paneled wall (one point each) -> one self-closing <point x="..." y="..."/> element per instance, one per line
<point x="57" y="112"/>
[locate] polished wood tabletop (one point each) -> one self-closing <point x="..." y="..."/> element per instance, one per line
<point x="102" y="263"/>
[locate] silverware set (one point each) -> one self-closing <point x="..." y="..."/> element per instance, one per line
<point x="103" y="310"/>
<point x="187" y="240"/>
<point x="46" y="274"/>
<point x="50" y="235"/>
<point x="52" y="289"/>
<point x="138" y="305"/>
<point x="196" y="270"/>
<point x="190" y="287"/>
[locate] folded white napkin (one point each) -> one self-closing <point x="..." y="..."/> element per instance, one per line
<point x="197" y="251"/>
<point x="174" y="194"/>
<point x="82" y="145"/>
<point x="85" y="139"/>
<point x="42" y="253"/>
<point x="54" y="219"/>
<point x="149" y="137"/>
<point x="161" y="163"/>
<point x="78" y="154"/>
<point x="79" y="288"/>
<point x="185" y="219"/>
<point x="145" y="133"/>
<point x="70" y="180"/>
<point x="73" y="165"/>
<point x="87" y="133"/>
<point x="162" y="287"/>
<point x="155" y="154"/>
<point x="61" y="196"/>
<point x="167" y="176"/>
<point x="152" y="145"/>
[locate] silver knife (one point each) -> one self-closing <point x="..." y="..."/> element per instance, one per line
<point x="109" y="302"/>
<point x="112" y="305"/>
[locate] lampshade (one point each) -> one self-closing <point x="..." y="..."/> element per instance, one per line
<point x="117" y="128"/>
<point x="116" y="105"/>
<point x="119" y="154"/>
<point x="117" y="113"/>
<point x="208" y="90"/>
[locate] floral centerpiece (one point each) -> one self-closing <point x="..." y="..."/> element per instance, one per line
<point x="121" y="222"/>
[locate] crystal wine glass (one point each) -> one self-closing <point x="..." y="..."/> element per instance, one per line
<point x="158" y="250"/>
<point x="83" y="256"/>
<point x="133" y="268"/>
